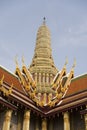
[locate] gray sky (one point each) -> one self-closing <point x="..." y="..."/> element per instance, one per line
<point x="66" y="19"/>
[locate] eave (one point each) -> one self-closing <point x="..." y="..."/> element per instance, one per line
<point x="83" y="112"/>
<point x="65" y="104"/>
<point x="7" y="104"/>
<point x="71" y="103"/>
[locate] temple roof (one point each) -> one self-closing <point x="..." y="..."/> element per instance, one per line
<point x="78" y="84"/>
<point x="75" y="95"/>
<point x="10" y="78"/>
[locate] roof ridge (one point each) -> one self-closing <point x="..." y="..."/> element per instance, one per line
<point x="80" y="76"/>
<point x="8" y="71"/>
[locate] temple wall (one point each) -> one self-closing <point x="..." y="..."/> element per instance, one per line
<point x="14" y="121"/>
<point x="76" y="121"/>
<point x="53" y="123"/>
<point x="32" y="121"/>
<point x="2" y="114"/>
<point x="58" y="123"/>
<point x="35" y="122"/>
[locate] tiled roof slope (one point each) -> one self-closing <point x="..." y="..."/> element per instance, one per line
<point x="77" y="85"/>
<point x="75" y="95"/>
<point x="10" y="78"/>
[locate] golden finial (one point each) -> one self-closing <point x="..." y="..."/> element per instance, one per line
<point x="11" y="85"/>
<point x="23" y="60"/>
<point x="16" y="61"/>
<point x="3" y="77"/>
<point x="1" y="81"/>
<point x="10" y="89"/>
<point x="66" y="62"/>
<point x="44" y="21"/>
<point x="74" y="64"/>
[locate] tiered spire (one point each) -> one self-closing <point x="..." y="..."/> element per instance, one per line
<point x="42" y="62"/>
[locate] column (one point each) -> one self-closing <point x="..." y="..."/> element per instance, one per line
<point x="66" y="121"/>
<point x="36" y="78"/>
<point x="7" y="120"/>
<point x="51" y="78"/>
<point x="44" y="124"/>
<point x="50" y="124"/>
<point x="19" y="121"/>
<point x="26" y="121"/>
<point x="43" y="79"/>
<point x="47" y="78"/>
<point x="37" y="124"/>
<point x="85" y="121"/>
<point x="44" y="98"/>
<point x="40" y="78"/>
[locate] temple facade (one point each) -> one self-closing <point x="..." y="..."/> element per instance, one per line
<point x="41" y="97"/>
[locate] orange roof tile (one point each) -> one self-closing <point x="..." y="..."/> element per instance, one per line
<point x="10" y="78"/>
<point x="77" y="85"/>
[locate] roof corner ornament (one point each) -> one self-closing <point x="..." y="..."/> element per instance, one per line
<point x="1" y="81"/>
<point x="23" y="61"/>
<point x="74" y="64"/>
<point x="10" y="89"/>
<point x="66" y="62"/>
<point x="16" y="61"/>
<point x="5" y="91"/>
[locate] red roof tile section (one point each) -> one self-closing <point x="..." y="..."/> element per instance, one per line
<point x="10" y="78"/>
<point x="77" y="85"/>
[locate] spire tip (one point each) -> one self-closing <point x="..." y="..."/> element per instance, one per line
<point x="44" y="20"/>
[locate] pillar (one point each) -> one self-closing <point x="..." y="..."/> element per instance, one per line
<point x="44" y="98"/>
<point x="37" y="124"/>
<point x="44" y="124"/>
<point x="85" y="121"/>
<point x="19" y="121"/>
<point x="26" y="121"/>
<point x="51" y="78"/>
<point x="7" y="120"/>
<point x="47" y="78"/>
<point x="43" y="79"/>
<point x="40" y="78"/>
<point x="66" y="121"/>
<point x="50" y="124"/>
<point x="36" y="78"/>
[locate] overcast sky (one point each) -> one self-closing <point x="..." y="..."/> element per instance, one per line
<point x="66" y="19"/>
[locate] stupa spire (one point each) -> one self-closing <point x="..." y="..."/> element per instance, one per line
<point x="42" y="62"/>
